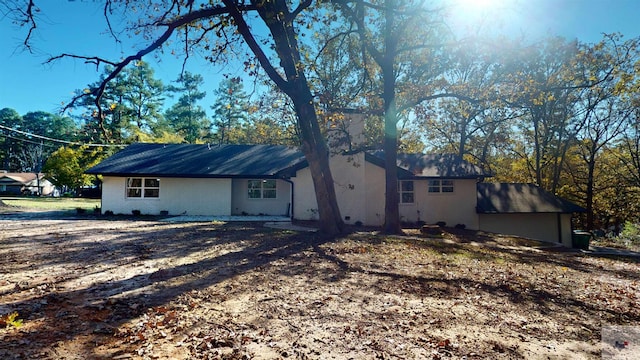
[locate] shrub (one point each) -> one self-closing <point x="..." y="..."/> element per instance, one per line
<point x="630" y="230"/>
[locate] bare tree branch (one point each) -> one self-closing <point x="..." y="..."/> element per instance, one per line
<point x="244" y="30"/>
<point x="29" y="19"/>
<point x="119" y="66"/>
<point x="303" y="5"/>
<point x="106" y="12"/>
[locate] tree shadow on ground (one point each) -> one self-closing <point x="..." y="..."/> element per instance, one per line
<point x="79" y="294"/>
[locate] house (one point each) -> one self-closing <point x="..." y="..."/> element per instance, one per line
<point x="24" y="183"/>
<point x="221" y="180"/>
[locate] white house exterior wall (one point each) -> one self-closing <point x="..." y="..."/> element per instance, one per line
<point x="242" y="204"/>
<point x="305" y="206"/>
<point x="351" y="191"/>
<point x="375" y="192"/>
<point x="458" y="207"/>
<point x="360" y="191"/>
<point x="566" y="229"/>
<point x="177" y="196"/>
<point x="539" y="226"/>
<point x="349" y="179"/>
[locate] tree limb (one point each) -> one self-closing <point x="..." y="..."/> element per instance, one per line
<point x="244" y="30"/>
<point x="303" y="5"/>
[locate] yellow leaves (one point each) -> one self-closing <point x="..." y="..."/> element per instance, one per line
<point x="86" y="91"/>
<point x="10" y="320"/>
<point x="113" y="106"/>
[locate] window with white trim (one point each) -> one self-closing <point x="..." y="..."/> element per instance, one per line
<point x="262" y="189"/>
<point x="440" y="186"/>
<point x="143" y="188"/>
<point x="405" y="191"/>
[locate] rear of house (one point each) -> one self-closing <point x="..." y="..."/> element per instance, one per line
<point x="198" y="179"/>
<point x="275" y="180"/>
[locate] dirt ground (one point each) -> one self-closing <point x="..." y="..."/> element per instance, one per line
<point x="97" y="288"/>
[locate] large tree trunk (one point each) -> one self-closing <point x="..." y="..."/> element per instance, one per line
<point x="275" y="14"/>
<point x="316" y="152"/>
<point x="391" y="208"/>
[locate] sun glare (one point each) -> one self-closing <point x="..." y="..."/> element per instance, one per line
<point x="479" y="15"/>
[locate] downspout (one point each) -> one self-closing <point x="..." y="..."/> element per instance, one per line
<point x="291" y="207"/>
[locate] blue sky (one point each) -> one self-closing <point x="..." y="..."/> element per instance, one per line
<point x="26" y="84"/>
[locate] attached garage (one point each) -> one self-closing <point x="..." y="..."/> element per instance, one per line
<point x="525" y="210"/>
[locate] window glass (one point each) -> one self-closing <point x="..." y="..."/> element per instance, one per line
<point x="134" y="182"/>
<point x="407" y="185"/>
<point x="406" y="191"/>
<point x="262" y="189"/>
<point x="269" y="184"/>
<point x="434" y="186"/>
<point x="151" y="193"/>
<point x="151" y="182"/>
<point x="440" y="186"/>
<point x="407" y="198"/>
<point x="255" y="189"/>
<point x="140" y="187"/>
<point x="134" y="192"/>
<point x="447" y="186"/>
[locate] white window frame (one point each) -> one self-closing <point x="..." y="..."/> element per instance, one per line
<point x="440" y="186"/>
<point x="147" y="188"/>
<point x="402" y="190"/>
<point x="263" y="191"/>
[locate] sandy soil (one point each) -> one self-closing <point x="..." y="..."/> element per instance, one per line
<point x="95" y="288"/>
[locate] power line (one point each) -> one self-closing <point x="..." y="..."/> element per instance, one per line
<point x="26" y="140"/>
<point x="58" y="140"/>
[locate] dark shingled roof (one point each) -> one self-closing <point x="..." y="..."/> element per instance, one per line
<point x="204" y="161"/>
<point x="187" y="160"/>
<point x="499" y="198"/>
<point x="434" y="165"/>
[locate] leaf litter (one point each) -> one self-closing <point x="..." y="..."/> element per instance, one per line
<point x="130" y="289"/>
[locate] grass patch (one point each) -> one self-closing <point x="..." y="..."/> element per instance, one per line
<point x="52" y="204"/>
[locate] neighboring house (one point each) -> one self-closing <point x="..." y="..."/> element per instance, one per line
<point x="276" y="180"/>
<point x="24" y="183"/>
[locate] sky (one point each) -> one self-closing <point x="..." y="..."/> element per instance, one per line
<point x="78" y="27"/>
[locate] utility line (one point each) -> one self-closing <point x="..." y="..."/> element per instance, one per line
<point x="58" y="140"/>
<point x="27" y="141"/>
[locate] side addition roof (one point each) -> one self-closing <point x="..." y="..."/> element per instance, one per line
<point x="200" y="161"/>
<point x="498" y="198"/>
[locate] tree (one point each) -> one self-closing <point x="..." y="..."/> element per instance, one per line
<point x="404" y="40"/>
<point x="215" y="27"/>
<point x="607" y="111"/>
<point x="9" y="119"/>
<point x="230" y="110"/>
<point x="144" y="98"/>
<point x="470" y="129"/>
<point x="186" y="117"/>
<point x="131" y="105"/>
<point x="63" y="168"/>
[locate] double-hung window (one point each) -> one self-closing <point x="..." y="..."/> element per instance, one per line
<point x="405" y="191"/>
<point x="440" y="186"/>
<point x="143" y="188"/>
<point x="262" y="189"/>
